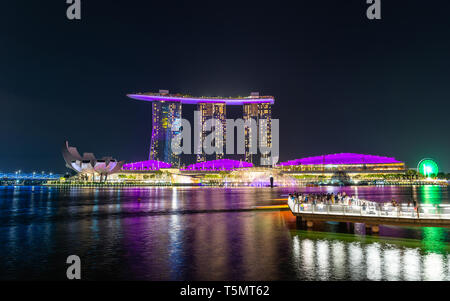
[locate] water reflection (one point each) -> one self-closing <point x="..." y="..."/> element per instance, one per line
<point x="434" y="239"/>
<point x="187" y="233"/>
<point x="373" y="254"/>
<point x="339" y="259"/>
<point x="411" y="265"/>
<point x="366" y="261"/>
<point x="392" y="259"/>
<point x="355" y="258"/>
<point x="433" y="267"/>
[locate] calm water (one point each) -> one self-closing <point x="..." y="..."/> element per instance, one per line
<point x="200" y="234"/>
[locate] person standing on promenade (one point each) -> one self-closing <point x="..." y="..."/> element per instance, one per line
<point x="416" y="208"/>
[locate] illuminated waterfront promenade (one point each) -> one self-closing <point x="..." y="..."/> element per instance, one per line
<point x="373" y="214"/>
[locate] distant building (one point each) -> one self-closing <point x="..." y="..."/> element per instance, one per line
<point x="164" y="115"/>
<point x="258" y="112"/>
<point x="217" y="165"/>
<point x="89" y="166"/>
<point x="149" y="165"/>
<point x="212" y="111"/>
<point x="344" y="162"/>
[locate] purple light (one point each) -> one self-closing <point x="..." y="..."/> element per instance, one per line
<point x="191" y="101"/>
<point x="343" y="158"/>
<point x="221" y="164"/>
<point x="146" y="165"/>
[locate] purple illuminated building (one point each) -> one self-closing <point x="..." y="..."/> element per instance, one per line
<point x="165" y="114"/>
<point x="211" y="111"/>
<point x="345" y="161"/>
<point x="186" y="99"/>
<point x="167" y="111"/>
<point x="146" y="165"/>
<point x="343" y="158"/>
<point x="258" y="112"/>
<point x="221" y="164"/>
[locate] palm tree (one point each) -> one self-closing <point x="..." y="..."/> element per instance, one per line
<point x="411" y="173"/>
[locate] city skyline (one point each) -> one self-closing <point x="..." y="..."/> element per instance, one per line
<point x="357" y="86"/>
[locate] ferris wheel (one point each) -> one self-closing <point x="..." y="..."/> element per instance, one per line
<point x="428" y="167"/>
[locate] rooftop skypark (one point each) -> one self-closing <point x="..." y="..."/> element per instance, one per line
<point x="189" y="99"/>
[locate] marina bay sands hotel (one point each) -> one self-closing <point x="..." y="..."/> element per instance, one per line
<point x="166" y="111"/>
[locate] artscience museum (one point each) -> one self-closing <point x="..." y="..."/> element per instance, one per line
<point x="88" y="166"/>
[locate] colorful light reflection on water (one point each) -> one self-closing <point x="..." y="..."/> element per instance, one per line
<point x="202" y="234"/>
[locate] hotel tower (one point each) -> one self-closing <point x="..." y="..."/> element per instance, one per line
<point x="166" y="111"/>
<point x="215" y="111"/>
<point x="261" y="113"/>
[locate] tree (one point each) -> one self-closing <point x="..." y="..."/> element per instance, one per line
<point x="441" y="175"/>
<point x="411" y="174"/>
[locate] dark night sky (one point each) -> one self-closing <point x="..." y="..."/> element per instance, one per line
<point x="342" y="83"/>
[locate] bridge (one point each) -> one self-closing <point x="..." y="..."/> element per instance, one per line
<point x="373" y="214"/>
<point x="27" y="178"/>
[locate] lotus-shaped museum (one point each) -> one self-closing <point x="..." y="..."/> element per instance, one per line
<point x="88" y="164"/>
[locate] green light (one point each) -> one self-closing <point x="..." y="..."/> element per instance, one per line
<point x="428" y="168"/>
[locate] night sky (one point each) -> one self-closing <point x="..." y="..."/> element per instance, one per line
<point x="342" y="83"/>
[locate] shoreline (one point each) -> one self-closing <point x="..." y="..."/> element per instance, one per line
<point x="130" y="185"/>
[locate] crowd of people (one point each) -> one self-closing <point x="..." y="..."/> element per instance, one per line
<point x="327" y="198"/>
<point x="349" y="200"/>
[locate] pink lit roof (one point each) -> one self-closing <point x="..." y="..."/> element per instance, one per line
<point x="221" y="164"/>
<point x="196" y="100"/>
<point x="146" y="165"/>
<point x="343" y="158"/>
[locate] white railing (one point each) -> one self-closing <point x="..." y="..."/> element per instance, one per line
<point x="373" y="209"/>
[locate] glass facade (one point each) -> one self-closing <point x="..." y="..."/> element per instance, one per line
<point x="166" y="111"/>
<point x="164" y="115"/>
<point x="212" y="111"/>
<point x="258" y="112"/>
